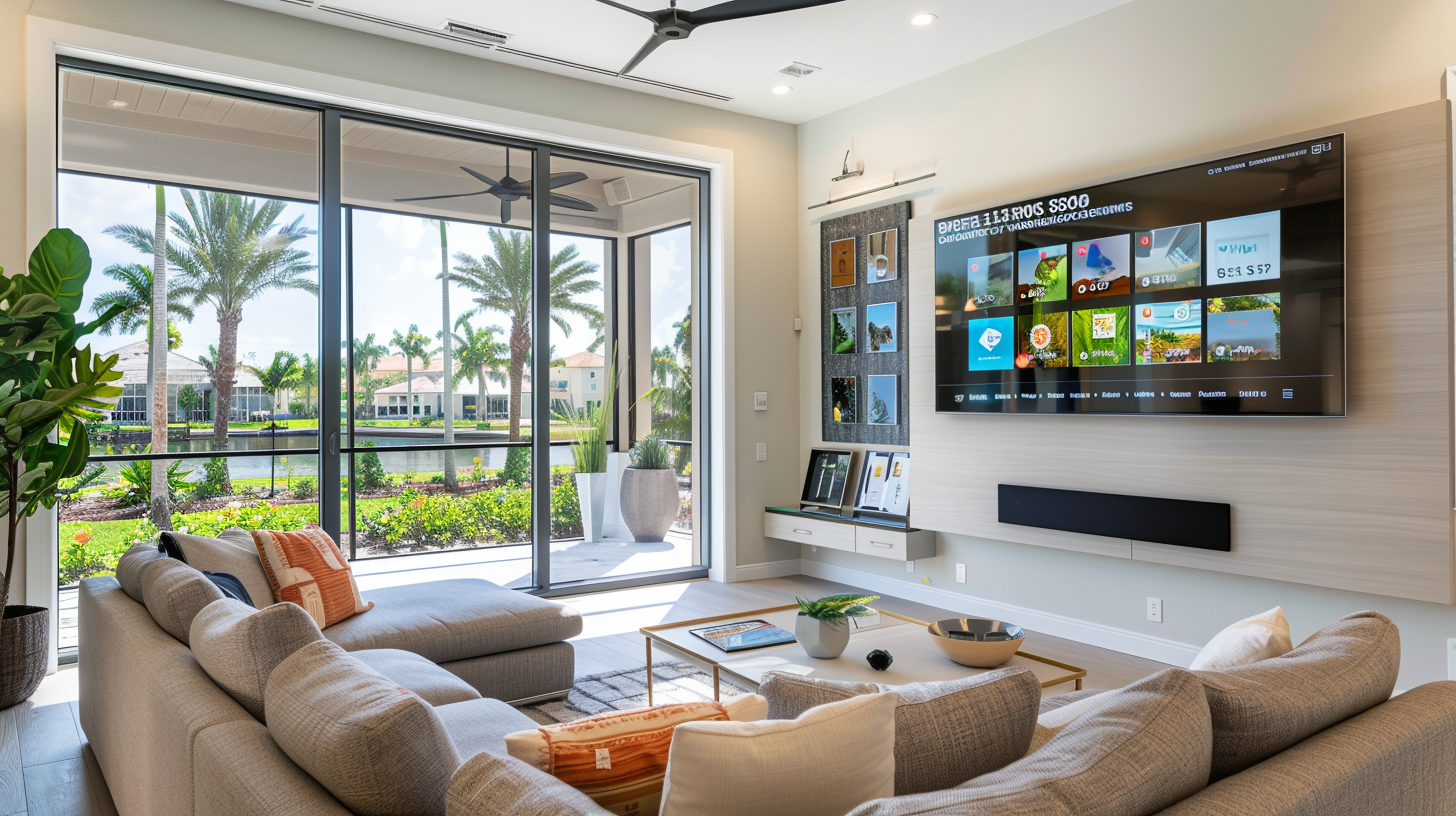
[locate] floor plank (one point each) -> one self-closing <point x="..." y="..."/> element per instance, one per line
<point x="12" y="779"/>
<point x="59" y="789"/>
<point x="47" y="734"/>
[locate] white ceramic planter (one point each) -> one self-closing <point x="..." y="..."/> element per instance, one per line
<point x="591" y="494"/>
<point x="821" y="639"/>
<point x="649" y="502"/>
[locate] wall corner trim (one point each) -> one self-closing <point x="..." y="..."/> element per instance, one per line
<point x="1094" y="634"/>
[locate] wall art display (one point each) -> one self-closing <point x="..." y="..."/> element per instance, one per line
<point x="884" y="484"/>
<point x="862" y="323"/>
<point x="882" y="328"/>
<point x="841" y="263"/>
<point x="882" y="261"/>
<point x="844" y="394"/>
<point x="842" y="331"/>
<point x="828" y="475"/>
<point x="1162" y="293"/>
<point x="883" y="401"/>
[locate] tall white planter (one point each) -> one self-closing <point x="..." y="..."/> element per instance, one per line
<point x="591" y="493"/>
<point x="649" y="502"/>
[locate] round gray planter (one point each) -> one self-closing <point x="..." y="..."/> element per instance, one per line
<point x="649" y="502"/>
<point x="821" y="639"/>
<point x="24" y="639"/>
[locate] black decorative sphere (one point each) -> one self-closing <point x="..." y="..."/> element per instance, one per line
<point x="880" y="659"/>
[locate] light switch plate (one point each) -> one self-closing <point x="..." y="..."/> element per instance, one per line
<point x="960" y="573"/>
<point x="1155" y="610"/>
<point x="760" y="400"/>
<point x="909" y="566"/>
<point x="763" y="451"/>
<point x="798" y="324"/>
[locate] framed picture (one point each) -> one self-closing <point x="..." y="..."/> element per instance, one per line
<point x="842" y="330"/>
<point x="882" y="328"/>
<point x="828" y="475"/>
<point x="883" y="401"/>
<point x="841" y="263"/>
<point x="882" y="260"/>
<point x="871" y="495"/>
<point x="844" y="400"/>
<point x="896" y="499"/>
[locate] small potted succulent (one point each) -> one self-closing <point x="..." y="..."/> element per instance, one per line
<point x="822" y="627"/>
<point x="649" y="494"/>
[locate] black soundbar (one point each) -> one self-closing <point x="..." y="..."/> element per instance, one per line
<point x="1205" y="525"/>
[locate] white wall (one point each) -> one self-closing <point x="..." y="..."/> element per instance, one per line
<point x="1209" y="76"/>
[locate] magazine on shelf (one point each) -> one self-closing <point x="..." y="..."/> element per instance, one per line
<point x="736" y="637"/>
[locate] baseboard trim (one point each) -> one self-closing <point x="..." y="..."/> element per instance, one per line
<point x="768" y="569"/>
<point x="1094" y="634"/>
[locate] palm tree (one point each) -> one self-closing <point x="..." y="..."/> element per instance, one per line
<point x="228" y="250"/>
<point x="411" y="344"/>
<point x="135" y="299"/>
<point x="188" y="401"/>
<point x="481" y="355"/>
<point x="366" y="356"/>
<point x="445" y="338"/>
<point x="283" y="373"/>
<point x="502" y="283"/>
<point x="671" y="394"/>
<point x="308" y="375"/>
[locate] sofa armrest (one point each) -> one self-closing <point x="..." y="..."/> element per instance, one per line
<point x="490" y="785"/>
<point x="1399" y="757"/>
<point x="240" y="771"/>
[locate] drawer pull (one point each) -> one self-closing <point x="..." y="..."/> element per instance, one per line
<point x="881" y="544"/>
<point x="802" y="531"/>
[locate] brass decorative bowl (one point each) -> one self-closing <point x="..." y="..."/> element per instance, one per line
<point x="977" y="642"/>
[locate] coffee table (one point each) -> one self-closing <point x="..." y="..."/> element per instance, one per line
<point x="917" y="659"/>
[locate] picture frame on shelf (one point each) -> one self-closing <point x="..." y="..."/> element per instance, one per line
<point x="826" y="480"/>
<point x="884" y="485"/>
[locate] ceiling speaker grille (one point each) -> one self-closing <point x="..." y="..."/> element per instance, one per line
<point x="797" y="70"/>
<point x="617" y="192"/>
<point x="484" y="36"/>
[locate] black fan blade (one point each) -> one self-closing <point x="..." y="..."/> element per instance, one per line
<point x="566" y="179"/>
<point x="652" y="45"/>
<point x="433" y="198"/>
<point x="481" y="177"/>
<point x="559" y="200"/>
<point x="505" y="211"/>
<point x="739" y="9"/>
<point x="629" y="9"/>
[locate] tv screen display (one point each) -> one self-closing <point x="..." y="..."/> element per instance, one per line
<point x="1216" y="288"/>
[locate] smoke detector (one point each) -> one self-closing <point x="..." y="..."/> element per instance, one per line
<point x="484" y="36"/>
<point x="617" y="192"/>
<point x="797" y="70"/>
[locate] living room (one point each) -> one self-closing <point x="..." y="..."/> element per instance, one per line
<point x="780" y="269"/>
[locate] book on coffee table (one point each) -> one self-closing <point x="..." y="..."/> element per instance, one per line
<point x="736" y="637"/>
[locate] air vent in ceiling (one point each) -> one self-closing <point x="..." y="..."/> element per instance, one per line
<point x="617" y="191"/>
<point x="484" y="36"/>
<point x="797" y="70"/>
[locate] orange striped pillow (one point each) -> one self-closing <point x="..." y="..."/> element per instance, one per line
<point x="305" y="567"/>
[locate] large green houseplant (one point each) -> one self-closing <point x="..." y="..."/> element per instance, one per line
<point x="46" y="384"/>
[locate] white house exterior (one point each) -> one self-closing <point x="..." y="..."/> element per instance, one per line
<point x="134" y="405"/>
<point x="579" y="383"/>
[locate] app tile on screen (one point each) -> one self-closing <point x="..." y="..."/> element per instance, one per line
<point x="1043" y="340"/>
<point x="1244" y="249"/>
<point x="1168" y="332"/>
<point x="1101" y="337"/>
<point x="1101" y="267"/>
<point x="990" y="280"/>
<point x="1041" y="274"/>
<point x="992" y="343"/>
<point x="1245" y="327"/>
<point x="1168" y="258"/>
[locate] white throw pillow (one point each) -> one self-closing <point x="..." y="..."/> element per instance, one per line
<point x="829" y="761"/>
<point x="1250" y="640"/>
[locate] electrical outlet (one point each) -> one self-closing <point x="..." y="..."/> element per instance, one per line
<point x="909" y="566"/>
<point x="1451" y="659"/>
<point x="760" y="400"/>
<point x="763" y="451"/>
<point x="960" y="573"/>
<point x="1155" y="610"/>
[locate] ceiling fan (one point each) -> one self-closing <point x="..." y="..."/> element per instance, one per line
<point x="671" y="24"/>
<point x="509" y="189"/>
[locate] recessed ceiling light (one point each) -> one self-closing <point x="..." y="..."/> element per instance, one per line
<point x="116" y="103"/>
<point x="781" y="89"/>
<point x="924" y="19"/>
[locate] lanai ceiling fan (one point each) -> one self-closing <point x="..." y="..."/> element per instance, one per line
<point x="509" y="189"/>
<point x="672" y="24"/>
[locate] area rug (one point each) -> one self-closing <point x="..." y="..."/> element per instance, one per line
<point x="627" y="689"/>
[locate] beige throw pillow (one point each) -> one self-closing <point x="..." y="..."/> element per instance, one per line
<point x="231" y="552"/>
<point x="239" y="646"/>
<point x="825" y="763"/>
<point x="1250" y="640"/>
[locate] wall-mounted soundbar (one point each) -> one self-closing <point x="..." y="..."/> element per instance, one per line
<point x="1205" y="525"/>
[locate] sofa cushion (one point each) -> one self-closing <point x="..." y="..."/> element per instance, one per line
<point x="481" y="724"/>
<point x="1261" y="709"/>
<point x="455" y="620"/>
<point x="490" y="785"/>
<point x="824" y="763"/>
<point x="232" y="552"/>
<point x="306" y="567"/>
<point x="239" y="646"/>
<point x="435" y="685"/>
<point x="129" y="569"/>
<point x="174" y="593"/>
<point x="1136" y="751"/>
<point x="1250" y="640"/>
<point x="945" y="733"/>
<point x="379" y="749"/>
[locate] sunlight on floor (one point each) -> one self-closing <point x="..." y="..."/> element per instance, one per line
<point x="624" y="611"/>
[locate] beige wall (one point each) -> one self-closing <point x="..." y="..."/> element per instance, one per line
<point x="764" y="237"/>
<point x="1061" y="110"/>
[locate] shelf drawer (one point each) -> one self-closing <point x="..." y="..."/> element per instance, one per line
<point x="818" y="533"/>
<point x="881" y="542"/>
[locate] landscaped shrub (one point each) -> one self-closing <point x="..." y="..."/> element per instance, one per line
<point x="369" y="471"/>
<point x="518" y="466"/>
<point x="136" y="477"/>
<point x="565" y="509"/>
<point x="258" y="515"/>
<point x="215" y="475"/>
<point x="88" y="550"/>
<point x="305" y="488"/>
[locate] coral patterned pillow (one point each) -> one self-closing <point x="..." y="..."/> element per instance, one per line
<point x="305" y="567"/>
<point x="619" y="758"/>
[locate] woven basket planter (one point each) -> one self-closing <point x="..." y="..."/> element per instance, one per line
<point x="24" y="637"/>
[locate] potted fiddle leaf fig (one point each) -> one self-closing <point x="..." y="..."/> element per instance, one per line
<point x="591" y="427"/>
<point x="649" y="492"/>
<point x="822" y="627"/>
<point x="46" y="384"/>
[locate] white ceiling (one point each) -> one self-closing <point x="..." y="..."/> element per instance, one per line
<point x="865" y="47"/>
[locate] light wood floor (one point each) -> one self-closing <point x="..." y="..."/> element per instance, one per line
<point x="47" y="768"/>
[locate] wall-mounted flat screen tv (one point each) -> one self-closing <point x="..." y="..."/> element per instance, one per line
<point x="1216" y="288"/>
